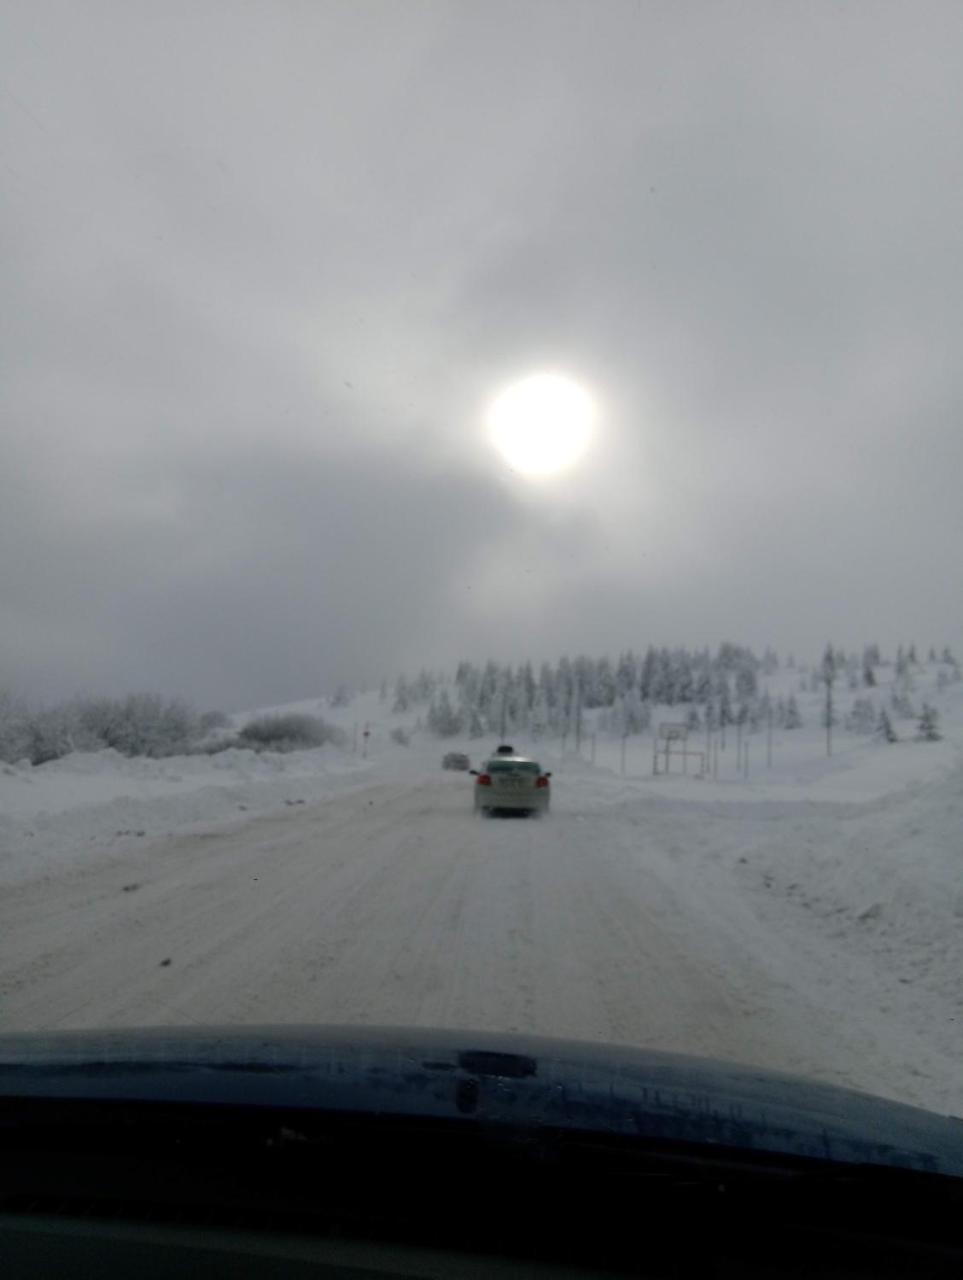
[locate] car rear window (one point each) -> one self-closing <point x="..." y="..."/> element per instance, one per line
<point x="513" y="766"/>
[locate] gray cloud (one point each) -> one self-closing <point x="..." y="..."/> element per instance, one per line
<point x="264" y="270"/>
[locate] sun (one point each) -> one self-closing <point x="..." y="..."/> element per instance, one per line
<point x="542" y="424"/>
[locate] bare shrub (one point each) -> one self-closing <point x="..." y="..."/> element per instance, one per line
<point x="292" y="732"/>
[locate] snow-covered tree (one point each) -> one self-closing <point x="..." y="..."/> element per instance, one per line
<point x="442" y="717"/>
<point x="884" y="728"/>
<point x="928" y="728"/>
<point x="402" y="697"/>
<point x="746" y="684"/>
<point x="862" y="716"/>
<point x="626" y="673"/>
<point x="901" y="704"/>
<point x="793" y="719"/>
<point x="341" y="696"/>
<point x="702" y="685"/>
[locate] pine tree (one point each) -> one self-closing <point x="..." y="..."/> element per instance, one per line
<point x="702" y="687"/>
<point x="899" y="700"/>
<point x="442" y="717"/>
<point x="746" y="684"/>
<point x="402" y="696"/>
<point x="884" y="728"/>
<point x="928" y="728"/>
<point x="793" y="718"/>
<point x="725" y="709"/>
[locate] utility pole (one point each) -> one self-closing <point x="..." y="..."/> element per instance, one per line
<point x="829" y="676"/>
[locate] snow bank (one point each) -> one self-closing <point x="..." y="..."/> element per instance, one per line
<point x="56" y="813"/>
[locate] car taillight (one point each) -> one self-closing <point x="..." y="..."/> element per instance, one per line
<point x="484" y="780"/>
<point x="541" y="782"/>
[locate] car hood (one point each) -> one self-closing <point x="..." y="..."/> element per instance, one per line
<point x="485" y="1078"/>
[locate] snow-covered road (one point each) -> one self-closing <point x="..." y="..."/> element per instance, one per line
<point x="391" y="903"/>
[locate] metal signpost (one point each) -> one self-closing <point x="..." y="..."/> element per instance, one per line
<point x="668" y="735"/>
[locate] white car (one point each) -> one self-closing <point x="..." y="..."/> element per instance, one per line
<point x="511" y="784"/>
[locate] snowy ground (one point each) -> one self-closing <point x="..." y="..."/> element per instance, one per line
<point x="807" y="918"/>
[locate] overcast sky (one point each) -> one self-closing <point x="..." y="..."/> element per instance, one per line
<point x="265" y="265"/>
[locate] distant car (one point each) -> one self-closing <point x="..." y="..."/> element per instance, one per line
<point x="456" y="760"/>
<point x="509" y="783"/>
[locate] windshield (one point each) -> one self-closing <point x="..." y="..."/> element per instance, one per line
<point x="385" y="384"/>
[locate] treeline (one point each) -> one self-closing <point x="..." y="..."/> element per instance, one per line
<point x="146" y="724"/>
<point x="711" y="689"/>
<point x="141" y="724"/>
<point x="501" y="698"/>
